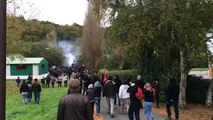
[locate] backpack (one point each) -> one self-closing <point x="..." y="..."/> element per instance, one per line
<point x="139" y="95"/>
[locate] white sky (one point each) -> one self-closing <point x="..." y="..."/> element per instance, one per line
<point x="59" y="11"/>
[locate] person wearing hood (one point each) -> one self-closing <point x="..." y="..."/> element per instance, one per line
<point x="172" y="98"/>
<point x="98" y="89"/>
<point x="124" y="96"/>
<point x="109" y="93"/>
<point x="90" y="93"/>
<point x="36" y="87"/>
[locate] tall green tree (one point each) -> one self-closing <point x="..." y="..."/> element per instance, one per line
<point x="163" y="37"/>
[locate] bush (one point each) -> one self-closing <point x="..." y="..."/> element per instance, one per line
<point x="123" y="74"/>
<point x="196" y="89"/>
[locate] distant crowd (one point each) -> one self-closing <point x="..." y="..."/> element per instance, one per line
<point x="86" y="89"/>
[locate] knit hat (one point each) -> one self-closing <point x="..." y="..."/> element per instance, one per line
<point x="97" y="84"/>
<point x="139" y="77"/>
<point x="90" y="86"/>
<point x="133" y="81"/>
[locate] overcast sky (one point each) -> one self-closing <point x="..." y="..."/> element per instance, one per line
<point x="58" y="11"/>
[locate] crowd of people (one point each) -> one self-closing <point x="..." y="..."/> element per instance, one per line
<point x="86" y="88"/>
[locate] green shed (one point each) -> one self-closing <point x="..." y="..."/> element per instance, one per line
<point x="22" y="67"/>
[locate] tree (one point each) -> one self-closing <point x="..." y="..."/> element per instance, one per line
<point x="163" y="37"/>
<point x="93" y="40"/>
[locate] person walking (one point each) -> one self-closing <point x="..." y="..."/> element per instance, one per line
<point x="140" y="83"/>
<point x="156" y="87"/>
<point x="97" y="92"/>
<point x="18" y="81"/>
<point x="47" y="81"/>
<point x="172" y="98"/>
<point x="135" y="103"/>
<point x="36" y="90"/>
<point x="43" y="82"/>
<point x="109" y="93"/>
<point x="29" y="84"/>
<point x="90" y="93"/>
<point x="148" y="101"/>
<point x="53" y="79"/>
<point x="124" y="96"/>
<point x="74" y="106"/>
<point x="117" y="86"/>
<point x="30" y="78"/>
<point x="24" y="92"/>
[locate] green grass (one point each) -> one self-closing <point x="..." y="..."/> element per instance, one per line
<point x="46" y="110"/>
<point x="199" y="69"/>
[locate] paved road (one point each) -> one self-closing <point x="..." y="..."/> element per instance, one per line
<point x="118" y="116"/>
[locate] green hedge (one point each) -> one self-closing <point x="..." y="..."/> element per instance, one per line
<point x="123" y="74"/>
<point x="196" y="89"/>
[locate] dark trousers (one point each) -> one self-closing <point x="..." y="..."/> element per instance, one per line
<point x="175" y="104"/>
<point x="37" y="97"/>
<point x="132" y="112"/>
<point x="116" y="98"/>
<point x="53" y="85"/>
<point x="92" y="106"/>
<point x="29" y="96"/>
<point x="65" y="83"/>
<point x="157" y="100"/>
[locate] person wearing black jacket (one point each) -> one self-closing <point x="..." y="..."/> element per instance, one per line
<point x="109" y="93"/>
<point x="117" y="86"/>
<point x="36" y="87"/>
<point x="97" y="93"/>
<point x="148" y="101"/>
<point x="172" y="98"/>
<point x="91" y="96"/>
<point x="135" y="103"/>
<point x="24" y="92"/>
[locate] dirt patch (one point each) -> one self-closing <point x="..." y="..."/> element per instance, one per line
<point x="191" y="112"/>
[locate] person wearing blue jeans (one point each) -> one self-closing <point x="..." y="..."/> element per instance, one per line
<point x="148" y="110"/>
<point x="97" y="104"/>
<point x="148" y="101"/>
<point x="97" y="93"/>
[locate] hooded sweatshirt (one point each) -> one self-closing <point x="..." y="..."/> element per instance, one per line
<point x="90" y="93"/>
<point x="123" y="94"/>
<point x="98" y="89"/>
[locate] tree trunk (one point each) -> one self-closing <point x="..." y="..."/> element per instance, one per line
<point x="209" y="95"/>
<point x="2" y="59"/>
<point x="182" y="96"/>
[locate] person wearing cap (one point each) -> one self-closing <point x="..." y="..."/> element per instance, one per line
<point x="74" y="106"/>
<point x="109" y="93"/>
<point x="140" y="83"/>
<point x="135" y="103"/>
<point x="98" y="89"/>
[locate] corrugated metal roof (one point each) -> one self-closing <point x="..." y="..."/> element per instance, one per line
<point x="23" y="60"/>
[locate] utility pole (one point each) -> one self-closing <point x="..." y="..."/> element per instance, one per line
<point x="2" y="59"/>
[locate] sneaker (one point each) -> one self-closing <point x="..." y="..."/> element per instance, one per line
<point x="112" y="116"/>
